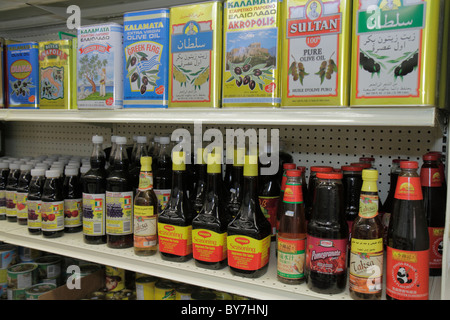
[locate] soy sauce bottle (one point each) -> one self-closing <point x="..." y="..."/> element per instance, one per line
<point x="94" y="189"/>
<point x="249" y="228"/>
<point x="234" y="193"/>
<point x="34" y="202"/>
<point x="72" y="193"/>
<point x="407" y="265"/>
<point x="327" y="237"/>
<point x="435" y="200"/>
<point x="22" y="193"/>
<point x="163" y="173"/>
<point x="52" y="206"/>
<point x="175" y="221"/>
<point x="4" y="172"/>
<point x="212" y="221"/>
<point x="11" y="188"/>
<point x="198" y="196"/>
<point x="119" y="200"/>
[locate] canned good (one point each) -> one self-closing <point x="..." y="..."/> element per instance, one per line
<point x="96" y="295"/>
<point x="28" y="254"/>
<point x="220" y="295"/>
<point x="20" y="277"/>
<point x="184" y="291"/>
<point x="165" y="290"/>
<point x="145" y="288"/>
<point x="49" y="269"/>
<point x="35" y="291"/>
<point x="8" y="257"/>
<point x="115" y="278"/>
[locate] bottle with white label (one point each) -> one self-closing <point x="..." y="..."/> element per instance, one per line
<point x="52" y="210"/>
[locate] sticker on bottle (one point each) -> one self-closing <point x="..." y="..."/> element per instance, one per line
<point x="34" y="214"/>
<point x="119" y="213"/>
<point x="326" y="256"/>
<point x="163" y="197"/>
<point x="209" y="246"/>
<point x="247" y="253"/>
<point x="408" y="188"/>
<point x="52" y="215"/>
<point x="145" y="230"/>
<point x="269" y="207"/>
<point x="94" y="214"/>
<point x="430" y="177"/>
<point x="291" y="258"/>
<point x="436" y="246"/>
<point x="21" y="205"/>
<point x="73" y="213"/>
<point x="175" y="239"/>
<point x="11" y="204"/>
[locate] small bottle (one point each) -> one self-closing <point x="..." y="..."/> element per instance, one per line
<point x="234" y="193"/>
<point x="22" y="194"/>
<point x="11" y="188"/>
<point x="119" y="200"/>
<point x="291" y="236"/>
<point x="140" y="150"/>
<point x="198" y="196"/>
<point x="73" y="196"/>
<point x="4" y="172"/>
<point x="52" y="210"/>
<point x="34" y="202"/>
<point x="175" y="221"/>
<point x="163" y="173"/>
<point x="145" y="212"/>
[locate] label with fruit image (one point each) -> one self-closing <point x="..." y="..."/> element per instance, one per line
<point x="326" y="256"/>
<point x="119" y="213"/>
<point x="34" y="214"/>
<point x="21" y="205"/>
<point x="52" y="215"/>
<point x="11" y="210"/>
<point x="94" y="214"/>
<point x="73" y="216"/>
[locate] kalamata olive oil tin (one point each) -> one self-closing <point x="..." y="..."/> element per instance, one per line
<point x="55" y="71"/>
<point x="196" y="55"/>
<point x="316" y="53"/>
<point x="23" y="75"/>
<point x="100" y="66"/>
<point x="396" y="52"/>
<point x="251" y="56"/>
<point x="146" y="58"/>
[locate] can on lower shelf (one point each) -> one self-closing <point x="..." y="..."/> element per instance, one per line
<point x="145" y="288"/>
<point x="165" y="290"/>
<point x="35" y="291"/>
<point x="49" y="268"/>
<point x="20" y="277"/>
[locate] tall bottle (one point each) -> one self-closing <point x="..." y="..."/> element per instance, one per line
<point x="352" y="181"/>
<point x="175" y="221"/>
<point x="198" y="196"/>
<point x="249" y="229"/>
<point x="119" y="200"/>
<point x="10" y="190"/>
<point x="163" y="173"/>
<point x="366" y="247"/>
<point x="327" y="237"/>
<point x="145" y="212"/>
<point x="73" y="196"/>
<point x="312" y="183"/>
<point x="140" y="150"/>
<point x="286" y="167"/>
<point x="407" y="258"/>
<point x="52" y="206"/>
<point x="291" y="236"/>
<point x="209" y="227"/>
<point x="94" y="193"/>
<point x="4" y="173"/>
<point x="435" y="200"/>
<point x="234" y="193"/>
<point x="22" y="193"/>
<point x="34" y="202"/>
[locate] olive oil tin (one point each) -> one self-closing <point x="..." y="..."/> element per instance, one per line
<point x="251" y="56"/>
<point x="100" y="66"/>
<point x="316" y="53"/>
<point x="196" y="55"/>
<point x="55" y="71"/>
<point x="396" y="53"/>
<point x="146" y="58"/>
<point x="23" y="75"/>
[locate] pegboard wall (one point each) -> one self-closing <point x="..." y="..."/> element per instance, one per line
<point x="309" y="145"/>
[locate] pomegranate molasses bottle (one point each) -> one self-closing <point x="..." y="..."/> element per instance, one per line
<point x="73" y="213"/>
<point x="407" y="257"/>
<point x="52" y="210"/>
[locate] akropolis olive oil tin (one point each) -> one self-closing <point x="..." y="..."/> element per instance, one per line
<point x="251" y="56"/>
<point x="395" y="52"/>
<point x="316" y="52"/>
<point x="55" y="70"/>
<point x="196" y="55"/>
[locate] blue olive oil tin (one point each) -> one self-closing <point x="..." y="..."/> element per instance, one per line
<point x="22" y="75"/>
<point x="146" y="45"/>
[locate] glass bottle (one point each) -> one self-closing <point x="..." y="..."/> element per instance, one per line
<point x="407" y="257"/>
<point x="73" y="197"/>
<point x="435" y="200"/>
<point x="327" y="237"/>
<point x="312" y="183"/>
<point x="229" y="159"/>
<point x="22" y="194"/>
<point x="175" y="221"/>
<point x="249" y="229"/>
<point x="163" y="173"/>
<point x="198" y="196"/>
<point x="352" y="182"/>
<point x="140" y="150"/>
<point x="119" y="200"/>
<point x="234" y="194"/>
<point x="145" y="212"/>
<point x="109" y="164"/>
<point x="366" y="246"/>
<point x="94" y="189"/>
<point x="34" y="202"/>
<point x="4" y="172"/>
<point x="11" y="188"/>
<point x="286" y="166"/>
<point x="209" y="227"/>
<point x="291" y="236"/>
<point x="52" y="206"/>
<point x="304" y="183"/>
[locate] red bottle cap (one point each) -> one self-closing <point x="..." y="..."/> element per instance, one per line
<point x="293" y="173"/>
<point x="362" y="165"/>
<point x="321" y="169"/>
<point x="352" y="168"/>
<point x="329" y="175"/>
<point x="431" y="157"/>
<point x="366" y="159"/>
<point x="289" y="166"/>
<point x="301" y="168"/>
<point x="409" y="165"/>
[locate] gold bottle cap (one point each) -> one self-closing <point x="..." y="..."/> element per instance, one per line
<point x="178" y="161"/>
<point x="251" y="166"/>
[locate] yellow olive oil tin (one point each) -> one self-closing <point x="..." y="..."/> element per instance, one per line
<point x="195" y="55"/>
<point x="74" y="100"/>
<point x="55" y="74"/>
<point x="396" y="52"/>
<point x="316" y="53"/>
<point x="251" y="56"/>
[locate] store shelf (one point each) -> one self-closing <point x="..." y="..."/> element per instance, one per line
<point x="323" y="116"/>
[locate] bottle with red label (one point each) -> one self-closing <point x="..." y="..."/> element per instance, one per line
<point x="291" y="236"/>
<point x="234" y="193"/>
<point x="312" y="187"/>
<point x="249" y="233"/>
<point x="209" y="227"/>
<point x="441" y="167"/>
<point x="198" y="196"/>
<point x="175" y="221"/>
<point x="434" y="199"/>
<point x="327" y="237"/>
<point x="407" y="257"/>
<point x="352" y="182"/>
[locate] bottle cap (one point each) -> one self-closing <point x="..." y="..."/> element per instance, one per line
<point x="97" y="139"/>
<point x="113" y="139"/>
<point x="121" y="140"/>
<point x="329" y="175"/>
<point x="52" y="174"/>
<point x="287" y="166"/>
<point x="164" y="140"/>
<point x="239" y="157"/>
<point x="37" y="172"/>
<point x="352" y="168"/>
<point x="366" y="159"/>
<point x="71" y="171"/>
<point x="14" y="166"/>
<point x="230" y="153"/>
<point x="251" y="166"/>
<point x="293" y="173"/>
<point x="431" y="157"/>
<point x="370" y="174"/>
<point x="25" y="167"/>
<point x="361" y="164"/>
<point x="141" y="139"/>
<point x="200" y="159"/>
<point x="321" y="169"/>
<point x="409" y="165"/>
<point x="214" y="162"/>
<point x="146" y="163"/>
<point x="178" y="161"/>
<point x="4" y="165"/>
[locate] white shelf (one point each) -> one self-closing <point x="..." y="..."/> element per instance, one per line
<point x="322" y="116"/>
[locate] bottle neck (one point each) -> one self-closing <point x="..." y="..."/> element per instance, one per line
<point x="98" y="157"/>
<point x="250" y="203"/>
<point x="329" y="201"/>
<point x="141" y="151"/>
<point x="120" y="158"/>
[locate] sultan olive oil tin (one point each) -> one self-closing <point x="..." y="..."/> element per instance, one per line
<point x="316" y="52"/>
<point x="196" y="55"/>
<point x="55" y="70"/>
<point x="251" y="56"/>
<point x="395" y="52"/>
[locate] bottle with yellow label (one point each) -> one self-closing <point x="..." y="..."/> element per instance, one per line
<point x="145" y="212"/>
<point x="249" y="233"/>
<point x="366" y="248"/>
<point x="209" y="227"/>
<point x="175" y="221"/>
